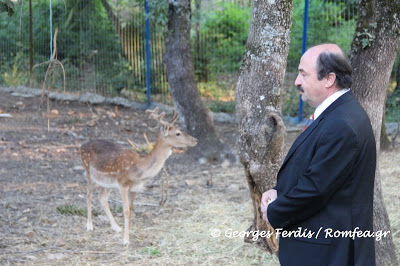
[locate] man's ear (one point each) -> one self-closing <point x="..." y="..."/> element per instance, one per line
<point x="330" y="80"/>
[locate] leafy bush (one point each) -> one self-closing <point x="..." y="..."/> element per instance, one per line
<point x="87" y="45"/>
<point x="225" y="31"/>
<point x="13" y="76"/>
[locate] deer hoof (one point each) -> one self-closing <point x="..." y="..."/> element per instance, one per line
<point x="89" y="227"/>
<point x="117" y="229"/>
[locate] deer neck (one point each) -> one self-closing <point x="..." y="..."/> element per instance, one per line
<point x="156" y="158"/>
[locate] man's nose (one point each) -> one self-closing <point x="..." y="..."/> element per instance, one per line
<point x="297" y="82"/>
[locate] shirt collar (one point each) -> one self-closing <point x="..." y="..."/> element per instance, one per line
<point x="328" y="101"/>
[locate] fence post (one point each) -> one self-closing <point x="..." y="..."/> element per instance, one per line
<point x="303" y="49"/>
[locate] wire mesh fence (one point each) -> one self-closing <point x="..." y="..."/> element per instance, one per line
<point x="101" y="44"/>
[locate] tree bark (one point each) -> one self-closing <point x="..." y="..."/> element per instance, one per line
<point x="258" y="104"/>
<point x="194" y="117"/>
<point x="372" y="57"/>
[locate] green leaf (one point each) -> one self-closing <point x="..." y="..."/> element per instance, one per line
<point x="7" y="6"/>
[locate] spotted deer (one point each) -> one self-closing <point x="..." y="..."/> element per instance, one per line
<point x="110" y="166"/>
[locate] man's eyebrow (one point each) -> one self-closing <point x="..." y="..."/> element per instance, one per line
<point x="301" y="70"/>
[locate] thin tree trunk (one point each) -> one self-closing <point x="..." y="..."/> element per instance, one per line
<point x="258" y="104"/>
<point x="30" y="45"/>
<point x="372" y="58"/>
<point x="180" y="72"/>
<point x="113" y="17"/>
<point x="125" y="34"/>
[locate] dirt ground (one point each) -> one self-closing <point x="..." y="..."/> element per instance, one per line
<point x="41" y="173"/>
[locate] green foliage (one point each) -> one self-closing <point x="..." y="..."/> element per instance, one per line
<point x="150" y="251"/>
<point x="393" y="103"/>
<point x="366" y="37"/>
<point x="159" y="12"/>
<point x="225" y="31"/>
<point x="70" y="209"/>
<point x="14" y="75"/>
<point x="87" y="45"/>
<point x="7" y="6"/>
<point x="393" y="108"/>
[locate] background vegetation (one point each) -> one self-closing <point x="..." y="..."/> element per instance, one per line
<point x="96" y="60"/>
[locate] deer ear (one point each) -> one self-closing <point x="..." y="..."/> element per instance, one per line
<point x="164" y="130"/>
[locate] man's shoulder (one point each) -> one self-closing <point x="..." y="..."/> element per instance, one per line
<point x="347" y="119"/>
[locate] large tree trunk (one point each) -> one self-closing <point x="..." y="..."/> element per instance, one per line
<point x="258" y="104"/>
<point x="180" y="72"/>
<point x="372" y="59"/>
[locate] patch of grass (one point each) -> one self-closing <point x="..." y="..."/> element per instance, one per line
<point x="72" y="120"/>
<point x="150" y="251"/>
<point x="70" y="209"/>
<point x="116" y="209"/>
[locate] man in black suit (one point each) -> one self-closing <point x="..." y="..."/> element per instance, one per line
<point x="321" y="206"/>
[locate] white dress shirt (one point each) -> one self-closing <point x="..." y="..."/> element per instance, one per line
<point x="328" y="101"/>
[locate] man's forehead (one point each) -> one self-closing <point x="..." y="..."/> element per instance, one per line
<point x="307" y="63"/>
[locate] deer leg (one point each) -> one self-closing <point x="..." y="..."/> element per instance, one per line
<point x="103" y="197"/>
<point x="132" y="196"/>
<point x="125" y="202"/>
<point x="90" y="186"/>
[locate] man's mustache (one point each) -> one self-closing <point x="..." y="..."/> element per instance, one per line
<point x="299" y="88"/>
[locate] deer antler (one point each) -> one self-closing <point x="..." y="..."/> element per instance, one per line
<point x="159" y="117"/>
<point x="174" y="117"/>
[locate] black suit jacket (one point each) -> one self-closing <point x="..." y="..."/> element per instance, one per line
<point x="326" y="182"/>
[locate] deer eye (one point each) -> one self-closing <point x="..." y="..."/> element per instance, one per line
<point x="178" y="134"/>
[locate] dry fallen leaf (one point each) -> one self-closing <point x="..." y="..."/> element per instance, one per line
<point x="29" y="233"/>
<point x="60" y="242"/>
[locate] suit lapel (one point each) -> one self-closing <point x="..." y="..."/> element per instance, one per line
<point x="304" y="135"/>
